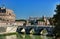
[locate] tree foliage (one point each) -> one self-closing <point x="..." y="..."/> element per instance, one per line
<point x="56" y="18"/>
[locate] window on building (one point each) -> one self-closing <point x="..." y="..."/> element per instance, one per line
<point x="9" y="13"/>
<point x="2" y="10"/>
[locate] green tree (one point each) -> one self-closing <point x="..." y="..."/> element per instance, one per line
<point x="57" y="15"/>
<point x="56" y="18"/>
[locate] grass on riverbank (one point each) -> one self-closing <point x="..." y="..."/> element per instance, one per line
<point x="7" y="34"/>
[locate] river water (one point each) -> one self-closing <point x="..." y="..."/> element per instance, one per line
<point x="23" y="36"/>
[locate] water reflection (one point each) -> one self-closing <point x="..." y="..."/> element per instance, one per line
<point x="8" y="37"/>
<point x="11" y="37"/>
<point x="23" y="36"/>
<point x="20" y="36"/>
<point x="2" y="37"/>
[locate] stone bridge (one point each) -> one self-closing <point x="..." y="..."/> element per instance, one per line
<point x="35" y="29"/>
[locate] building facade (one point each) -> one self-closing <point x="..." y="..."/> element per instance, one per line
<point x="41" y="21"/>
<point x="6" y="16"/>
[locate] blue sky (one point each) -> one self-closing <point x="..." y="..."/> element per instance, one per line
<point x="34" y="8"/>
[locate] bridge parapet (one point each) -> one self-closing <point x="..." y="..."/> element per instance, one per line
<point x="39" y="26"/>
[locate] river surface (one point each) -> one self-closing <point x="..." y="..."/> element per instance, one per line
<point x="23" y="36"/>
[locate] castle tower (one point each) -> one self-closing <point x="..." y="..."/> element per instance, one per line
<point x="6" y="15"/>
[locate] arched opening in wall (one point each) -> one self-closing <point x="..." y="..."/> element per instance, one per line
<point x="44" y="32"/>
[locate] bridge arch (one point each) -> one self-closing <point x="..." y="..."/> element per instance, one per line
<point x="50" y="30"/>
<point x="32" y="31"/>
<point x="28" y="30"/>
<point x="21" y="30"/>
<point x="44" y="31"/>
<point x="38" y="30"/>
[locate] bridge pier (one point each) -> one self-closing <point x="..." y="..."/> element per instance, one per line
<point x="28" y="29"/>
<point x="37" y="30"/>
<point x="50" y="31"/>
<point x="19" y="29"/>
